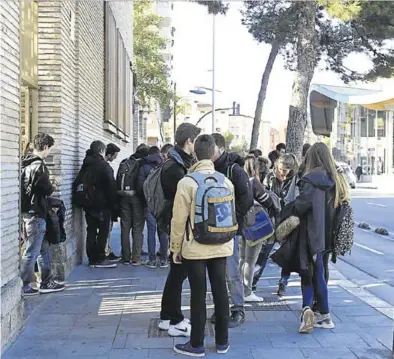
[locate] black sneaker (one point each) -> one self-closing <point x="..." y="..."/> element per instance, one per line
<point x="281" y="290"/>
<point x="105" y="264"/>
<point x="92" y="264"/>
<point x="51" y="287"/>
<point x="29" y="291"/>
<point x="237" y="318"/>
<point x="112" y="257"/>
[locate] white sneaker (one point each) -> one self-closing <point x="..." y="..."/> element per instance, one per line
<point x="182" y="329"/>
<point x="253" y="298"/>
<point x="164" y="325"/>
<point x="307" y="321"/>
<point x="323" y="321"/>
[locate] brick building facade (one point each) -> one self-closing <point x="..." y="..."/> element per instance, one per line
<point x="65" y="70"/>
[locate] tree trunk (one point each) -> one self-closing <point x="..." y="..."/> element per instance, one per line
<point x="262" y="94"/>
<point x="306" y="60"/>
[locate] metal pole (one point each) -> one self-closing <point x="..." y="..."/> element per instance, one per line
<point x="213" y="72"/>
<point x="174" y="110"/>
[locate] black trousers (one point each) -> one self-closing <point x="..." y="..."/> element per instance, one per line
<point x="132" y="217"/>
<point x="198" y="286"/>
<point x="98" y="227"/>
<point x="171" y="301"/>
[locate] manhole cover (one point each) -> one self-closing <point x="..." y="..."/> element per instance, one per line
<point x="155" y="332"/>
<point x="269" y="304"/>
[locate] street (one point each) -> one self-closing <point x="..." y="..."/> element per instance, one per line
<point x="371" y="262"/>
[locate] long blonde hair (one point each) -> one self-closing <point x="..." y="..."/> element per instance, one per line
<point x="252" y="167"/>
<point x="319" y="156"/>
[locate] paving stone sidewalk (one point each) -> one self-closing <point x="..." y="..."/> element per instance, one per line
<point x="113" y="314"/>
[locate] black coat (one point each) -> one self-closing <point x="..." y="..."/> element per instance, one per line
<point x="174" y="169"/>
<point x="102" y="175"/>
<point x="242" y="187"/>
<point x="315" y="208"/>
<point x="55" y="232"/>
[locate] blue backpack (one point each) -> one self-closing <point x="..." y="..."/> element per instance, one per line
<point x="215" y="220"/>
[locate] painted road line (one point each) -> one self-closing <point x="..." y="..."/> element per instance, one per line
<point x="376" y="204"/>
<point x="368" y="249"/>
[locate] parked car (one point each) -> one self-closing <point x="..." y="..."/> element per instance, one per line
<point x="350" y="176"/>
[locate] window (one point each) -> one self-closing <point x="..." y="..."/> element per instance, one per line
<point x="118" y="80"/>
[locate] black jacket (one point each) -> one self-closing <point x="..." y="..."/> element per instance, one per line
<point x="174" y="169"/>
<point x="242" y="188"/>
<point x="35" y="186"/>
<point x="102" y="175"/>
<point x="56" y="232"/>
<point x="315" y="204"/>
<point x="315" y="208"/>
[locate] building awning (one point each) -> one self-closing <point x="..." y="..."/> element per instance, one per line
<point x="372" y="99"/>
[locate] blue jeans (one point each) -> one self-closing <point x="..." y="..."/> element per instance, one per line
<point x="37" y="249"/>
<point x="234" y="279"/>
<point x="316" y="286"/>
<point x="163" y="238"/>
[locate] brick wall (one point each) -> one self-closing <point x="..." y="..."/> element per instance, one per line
<point x="71" y="71"/>
<point x="11" y="303"/>
<point x="70" y="108"/>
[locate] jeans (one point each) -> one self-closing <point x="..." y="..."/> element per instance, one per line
<point x="163" y="238"/>
<point x="37" y="249"/>
<point x="233" y="277"/>
<point x="108" y="249"/>
<point x="132" y="216"/>
<point x="97" y="234"/>
<point x="248" y="257"/>
<point x="198" y="287"/>
<point x="171" y="301"/>
<point x="316" y="286"/>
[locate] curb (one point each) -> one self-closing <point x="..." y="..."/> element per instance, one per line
<point x="378" y="230"/>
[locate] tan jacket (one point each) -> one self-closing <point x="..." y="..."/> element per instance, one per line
<point x="184" y="206"/>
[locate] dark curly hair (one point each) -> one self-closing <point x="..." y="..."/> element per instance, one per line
<point x="41" y="140"/>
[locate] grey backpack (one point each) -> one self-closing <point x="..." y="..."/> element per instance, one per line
<point x="154" y="194"/>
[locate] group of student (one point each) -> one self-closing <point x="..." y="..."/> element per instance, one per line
<point x="208" y="195"/>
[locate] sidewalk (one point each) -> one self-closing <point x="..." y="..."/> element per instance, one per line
<point x="381" y="182"/>
<point x="113" y="314"/>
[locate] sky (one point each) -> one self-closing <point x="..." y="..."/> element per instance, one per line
<point x="240" y="62"/>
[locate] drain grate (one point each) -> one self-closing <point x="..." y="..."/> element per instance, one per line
<point x="269" y="304"/>
<point x="155" y="332"/>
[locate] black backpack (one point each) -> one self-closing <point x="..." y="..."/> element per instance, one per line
<point x="84" y="189"/>
<point x="126" y="178"/>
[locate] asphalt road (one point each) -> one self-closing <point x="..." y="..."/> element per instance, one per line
<point x="372" y="257"/>
<point x="376" y="209"/>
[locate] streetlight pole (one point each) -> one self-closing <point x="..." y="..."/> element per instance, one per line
<point x="174" y="110"/>
<point x="213" y="72"/>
